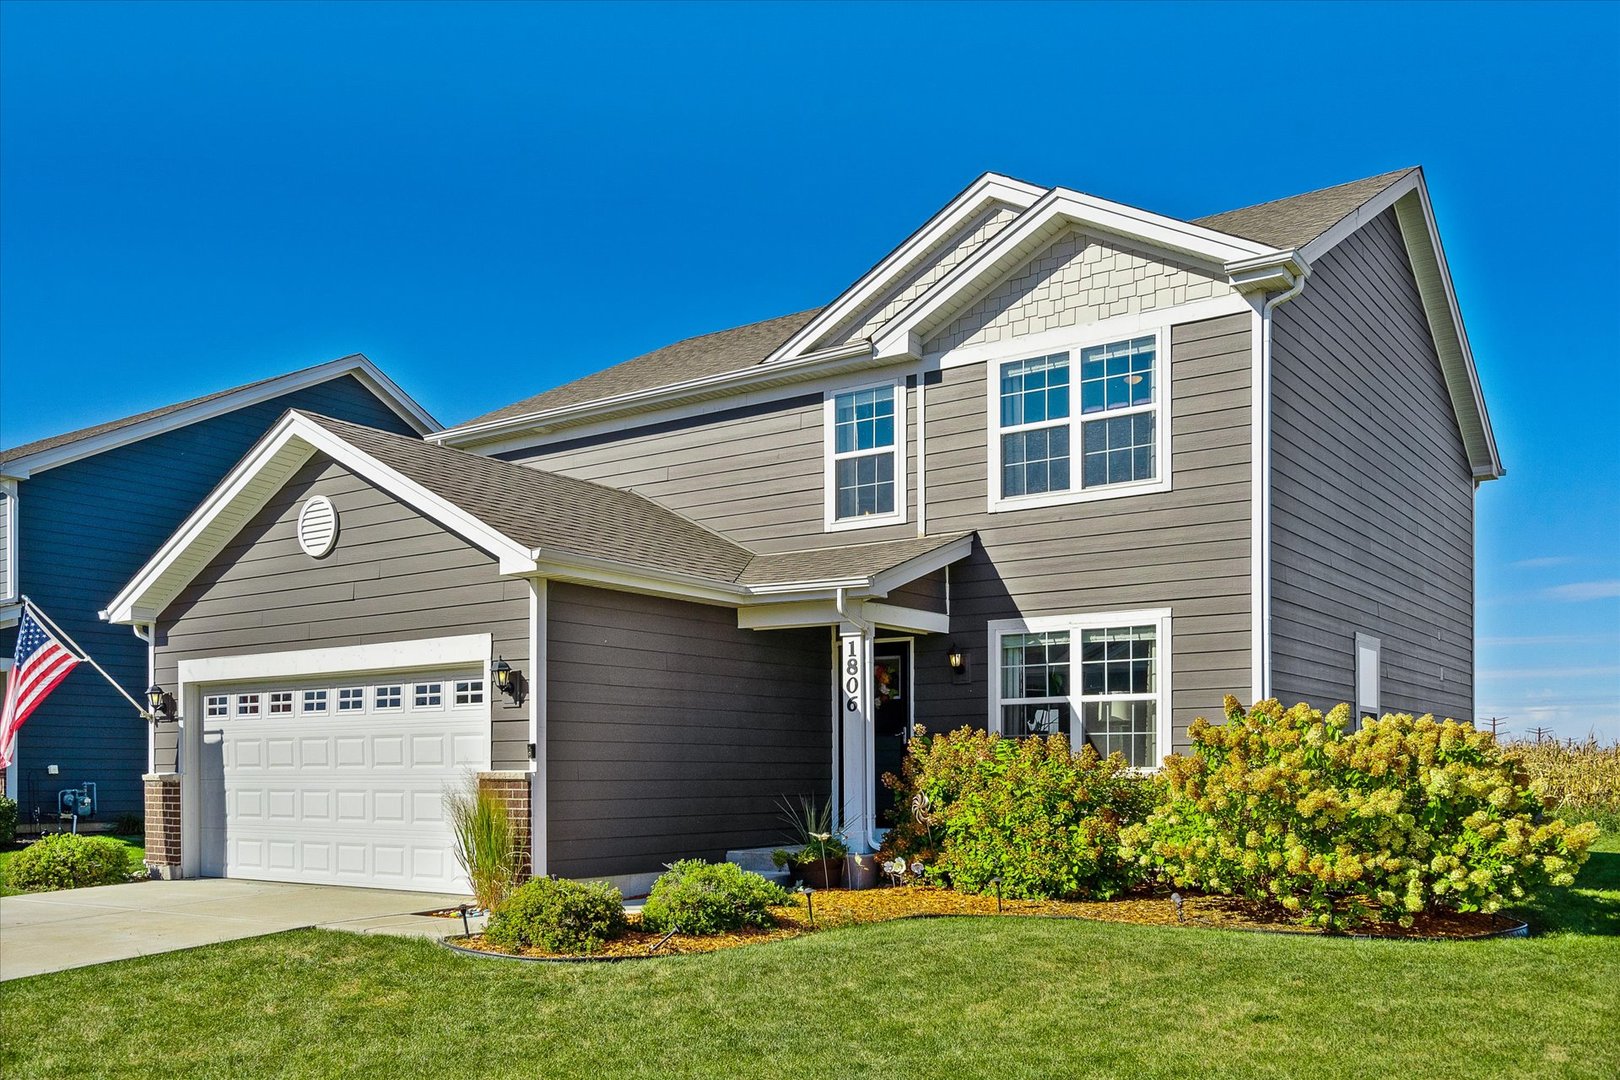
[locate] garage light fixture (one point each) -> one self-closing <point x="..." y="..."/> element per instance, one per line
<point x="510" y="681"/>
<point x="159" y="702"/>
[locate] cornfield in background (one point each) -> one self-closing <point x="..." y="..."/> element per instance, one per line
<point x="1579" y="780"/>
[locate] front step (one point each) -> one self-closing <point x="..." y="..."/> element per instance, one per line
<point x="759" y="861"/>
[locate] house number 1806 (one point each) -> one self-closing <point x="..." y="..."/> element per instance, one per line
<point x="852" y="674"/>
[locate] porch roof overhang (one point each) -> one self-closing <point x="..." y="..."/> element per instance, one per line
<point x="533" y="523"/>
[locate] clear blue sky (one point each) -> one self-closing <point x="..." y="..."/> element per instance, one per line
<point x="490" y="200"/>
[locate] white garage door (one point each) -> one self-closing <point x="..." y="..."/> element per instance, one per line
<point x="340" y="781"/>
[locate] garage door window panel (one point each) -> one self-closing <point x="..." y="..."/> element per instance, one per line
<point x="315" y="703"/>
<point x="428" y="696"/>
<point x="351" y="699"/>
<point x="389" y="698"/>
<point x="247" y="706"/>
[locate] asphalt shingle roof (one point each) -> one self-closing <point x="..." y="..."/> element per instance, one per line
<point x="560" y="513"/>
<point x="1297" y="220"/>
<point x="1282" y="223"/>
<point x="67" y="438"/>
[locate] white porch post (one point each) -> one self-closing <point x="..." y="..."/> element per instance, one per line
<point x="855" y="707"/>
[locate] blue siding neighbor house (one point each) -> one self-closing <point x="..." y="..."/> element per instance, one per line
<point x="79" y="514"/>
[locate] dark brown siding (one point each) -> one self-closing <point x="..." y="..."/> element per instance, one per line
<point x="1373" y="498"/>
<point x="671" y="733"/>
<point x="394" y="575"/>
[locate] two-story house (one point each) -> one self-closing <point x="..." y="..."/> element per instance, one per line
<point x="1055" y="464"/>
<point x="80" y="512"/>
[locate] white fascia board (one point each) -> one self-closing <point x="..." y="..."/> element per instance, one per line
<point x="798" y="615"/>
<point x="922" y="565"/>
<point x="359" y="366"/>
<point x="901" y="336"/>
<point x="990" y="187"/>
<point x="416" y="654"/>
<point x="1440" y="304"/>
<point x="293" y="441"/>
<point x="725" y="383"/>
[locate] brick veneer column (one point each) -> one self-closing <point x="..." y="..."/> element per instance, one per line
<point x="163" y="824"/>
<point x="512" y="788"/>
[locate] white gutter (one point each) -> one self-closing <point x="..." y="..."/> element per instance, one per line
<point x="150" y="637"/>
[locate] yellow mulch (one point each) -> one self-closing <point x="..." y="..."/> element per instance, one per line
<point x="842" y="907"/>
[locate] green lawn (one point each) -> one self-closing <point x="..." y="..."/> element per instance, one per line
<point x="135" y="844"/>
<point x="942" y="997"/>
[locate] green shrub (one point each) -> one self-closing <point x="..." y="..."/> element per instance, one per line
<point x="8" y="820"/>
<point x="559" y="915"/>
<point x="696" y="897"/>
<point x="1031" y="812"/>
<point x="1402" y="816"/>
<point x="68" y="861"/>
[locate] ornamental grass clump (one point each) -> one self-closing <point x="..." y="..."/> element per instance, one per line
<point x="697" y="897"/>
<point x="1404" y="816"/>
<point x="560" y="916"/>
<point x="486" y="842"/>
<point x="1032" y="814"/>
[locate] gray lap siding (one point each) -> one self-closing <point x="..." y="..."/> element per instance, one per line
<point x="84" y="529"/>
<point x="1187" y="549"/>
<point x="1373" y="496"/>
<point x="671" y="733"/>
<point x="393" y="575"/>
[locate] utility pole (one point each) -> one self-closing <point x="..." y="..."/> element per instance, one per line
<point x="1540" y="733"/>
<point x="1496" y="723"/>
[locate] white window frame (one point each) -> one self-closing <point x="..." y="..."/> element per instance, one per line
<point x="270" y="703"/>
<point x="476" y="693"/>
<point x="830" y="458"/>
<point x="376" y="697"/>
<point x="253" y="714"/>
<point x="1092" y="620"/>
<point x="1369" y="683"/>
<point x="219" y="702"/>
<point x="304" y="708"/>
<point x="340" y="703"/>
<point x="1090" y="338"/>
<point x="8" y="552"/>
<point x="416" y="686"/>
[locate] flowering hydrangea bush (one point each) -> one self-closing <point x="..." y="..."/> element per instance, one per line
<point x="1031" y="813"/>
<point x="1402" y="816"/>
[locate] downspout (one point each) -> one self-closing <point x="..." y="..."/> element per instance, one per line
<point x="1264" y="494"/>
<point x="841" y="603"/>
<point x="150" y="637"/>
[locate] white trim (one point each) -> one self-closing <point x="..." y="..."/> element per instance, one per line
<point x="539" y="814"/>
<point x="286" y="447"/>
<point x="14" y="770"/>
<point x="1083" y="338"/>
<point x="830" y="457"/>
<point x="1059" y="209"/>
<point x="991" y="187"/>
<point x="910" y="620"/>
<point x="1259" y="500"/>
<point x="1134" y="324"/>
<point x="1095" y="620"/>
<point x="367" y="373"/>
<point x="8" y="556"/>
<point x="386" y="657"/>
<point x="922" y="453"/>
<point x="1368" y="702"/>
<point x="317" y="546"/>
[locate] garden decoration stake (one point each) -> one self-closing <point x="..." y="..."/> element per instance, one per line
<point x="1175" y="898"/>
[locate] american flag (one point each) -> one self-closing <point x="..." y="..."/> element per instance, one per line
<point x="39" y="663"/>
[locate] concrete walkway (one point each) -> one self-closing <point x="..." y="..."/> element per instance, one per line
<point x="55" y="931"/>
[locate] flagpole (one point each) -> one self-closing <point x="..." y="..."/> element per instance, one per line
<point x="83" y="655"/>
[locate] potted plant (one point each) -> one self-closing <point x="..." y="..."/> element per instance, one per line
<point x="819" y="850"/>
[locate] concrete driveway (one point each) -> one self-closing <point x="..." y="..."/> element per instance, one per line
<point x="45" y="932"/>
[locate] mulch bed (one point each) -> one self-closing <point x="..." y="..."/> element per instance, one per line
<point x="842" y="907"/>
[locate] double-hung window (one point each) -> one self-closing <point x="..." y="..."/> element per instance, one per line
<point x="1101" y="680"/>
<point x="1081" y="424"/>
<point x="865" y="467"/>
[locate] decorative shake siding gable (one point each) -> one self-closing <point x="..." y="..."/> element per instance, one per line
<point x="671" y="733"/>
<point x="923" y="273"/>
<point x="392" y="576"/>
<point x="1075" y="280"/>
<point x="1372" y="491"/>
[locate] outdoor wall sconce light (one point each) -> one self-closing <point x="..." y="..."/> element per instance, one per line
<point x="160" y="703"/>
<point x="957" y="659"/>
<point x="509" y="681"/>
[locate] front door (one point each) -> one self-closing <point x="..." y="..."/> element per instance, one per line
<point x="891" y="719"/>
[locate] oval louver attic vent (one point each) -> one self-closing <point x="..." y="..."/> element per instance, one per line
<point x="317" y="526"/>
